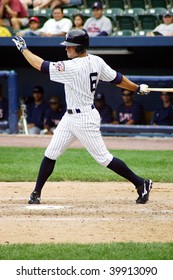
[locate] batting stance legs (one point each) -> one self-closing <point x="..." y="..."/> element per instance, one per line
<point x="72" y="127"/>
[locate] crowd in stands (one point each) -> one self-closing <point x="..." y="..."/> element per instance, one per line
<point x="49" y="18"/>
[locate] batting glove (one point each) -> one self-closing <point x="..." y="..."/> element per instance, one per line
<point x="20" y="43"/>
<point x="142" y="89"/>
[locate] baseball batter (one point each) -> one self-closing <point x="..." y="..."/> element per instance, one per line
<point x="80" y="75"/>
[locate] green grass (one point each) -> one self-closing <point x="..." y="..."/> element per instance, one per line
<point x="22" y="164"/>
<point x="111" y="251"/>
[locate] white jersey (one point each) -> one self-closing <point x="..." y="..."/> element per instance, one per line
<point x="81" y="76"/>
<point x="54" y="27"/>
<point x="165" y="29"/>
<point x="95" y="26"/>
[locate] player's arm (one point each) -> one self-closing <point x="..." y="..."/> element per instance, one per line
<point x="123" y="82"/>
<point x="33" y="59"/>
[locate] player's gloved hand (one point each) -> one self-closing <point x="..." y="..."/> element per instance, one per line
<point x="142" y="89"/>
<point x="20" y="43"/>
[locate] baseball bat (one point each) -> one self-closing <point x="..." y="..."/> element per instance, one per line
<point x="161" y="89"/>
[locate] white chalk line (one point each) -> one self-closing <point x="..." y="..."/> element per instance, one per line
<point x="80" y="219"/>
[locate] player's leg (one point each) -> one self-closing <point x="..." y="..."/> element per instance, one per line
<point x="92" y="140"/>
<point x="60" y="141"/>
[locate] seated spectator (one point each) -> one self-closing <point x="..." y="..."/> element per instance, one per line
<point x="56" y="26"/>
<point x="98" y="24"/>
<point x="4" y="32"/>
<point x="3" y="110"/>
<point x="13" y="13"/>
<point x="164" y="114"/>
<point x="78" y="21"/>
<point x="165" y="28"/>
<point x="44" y="4"/>
<point x="53" y="115"/>
<point x="104" y="109"/>
<point x="36" y="111"/>
<point x="33" y="29"/>
<point x="129" y="112"/>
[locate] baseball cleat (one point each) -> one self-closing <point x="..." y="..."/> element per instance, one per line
<point x="143" y="191"/>
<point x="34" y="198"/>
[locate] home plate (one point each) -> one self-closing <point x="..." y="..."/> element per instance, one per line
<point x="46" y="207"/>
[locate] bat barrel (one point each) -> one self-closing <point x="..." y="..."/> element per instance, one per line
<point x="161" y="89"/>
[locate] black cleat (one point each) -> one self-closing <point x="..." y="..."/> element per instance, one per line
<point x="34" y="198"/>
<point x="143" y="191"/>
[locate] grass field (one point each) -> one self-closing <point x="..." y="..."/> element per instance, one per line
<point x="22" y="164"/>
<point x="112" y="251"/>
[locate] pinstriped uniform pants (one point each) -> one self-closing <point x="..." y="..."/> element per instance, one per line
<point x="85" y="127"/>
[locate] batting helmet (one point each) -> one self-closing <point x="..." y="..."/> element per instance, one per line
<point x="78" y="38"/>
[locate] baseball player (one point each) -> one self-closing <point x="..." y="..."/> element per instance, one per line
<point x="80" y="75"/>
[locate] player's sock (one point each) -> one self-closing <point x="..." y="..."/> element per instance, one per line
<point x="122" y="169"/>
<point x="46" y="169"/>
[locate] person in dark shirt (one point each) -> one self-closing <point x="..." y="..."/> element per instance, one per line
<point x="129" y="112"/>
<point x="105" y="111"/>
<point x="3" y="110"/>
<point x="164" y="114"/>
<point x="53" y="115"/>
<point x="36" y="111"/>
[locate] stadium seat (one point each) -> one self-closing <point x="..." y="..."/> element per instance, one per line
<point x="134" y="11"/>
<point x="126" y="22"/>
<point x="156" y="11"/>
<point x="43" y="12"/>
<point x="43" y="15"/>
<point x="86" y="13"/>
<point x="148" y="21"/>
<point x="113" y="12"/>
<point x="159" y="3"/>
<point x="138" y="4"/>
<point x="126" y="32"/>
<point x="142" y="32"/>
<point x="70" y="12"/>
<point x="116" y="4"/>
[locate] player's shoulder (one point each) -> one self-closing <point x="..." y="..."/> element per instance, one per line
<point x="95" y="57"/>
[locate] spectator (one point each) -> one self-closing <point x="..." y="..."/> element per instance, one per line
<point x="164" y="114"/>
<point x="104" y="109"/>
<point x="13" y="13"/>
<point x="165" y="28"/>
<point x="33" y="29"/>
<point x="3" y="110"/>
<point x="4" y="32"/>
<point x="36" y="111"/>
<point x="53" y="115"/>
<point x="78" y="21"/>
<point x="43" y="4"/>
<point x="98" y="24"/>
<point x="56" y="26"/>
<point x="129" y="112"/>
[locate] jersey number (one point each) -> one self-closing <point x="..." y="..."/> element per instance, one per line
<point x="93" y="79"/>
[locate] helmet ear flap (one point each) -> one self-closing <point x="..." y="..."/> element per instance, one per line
<point x="80" y="49"/>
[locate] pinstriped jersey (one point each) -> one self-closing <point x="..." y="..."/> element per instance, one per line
<point x="80" y="77"/>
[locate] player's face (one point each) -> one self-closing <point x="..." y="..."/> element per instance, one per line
<point x="71" y="52"/>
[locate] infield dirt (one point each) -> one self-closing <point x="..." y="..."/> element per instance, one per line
<point x="91" y="213"/>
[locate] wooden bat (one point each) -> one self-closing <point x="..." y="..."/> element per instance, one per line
<point x="161" y="89"/>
